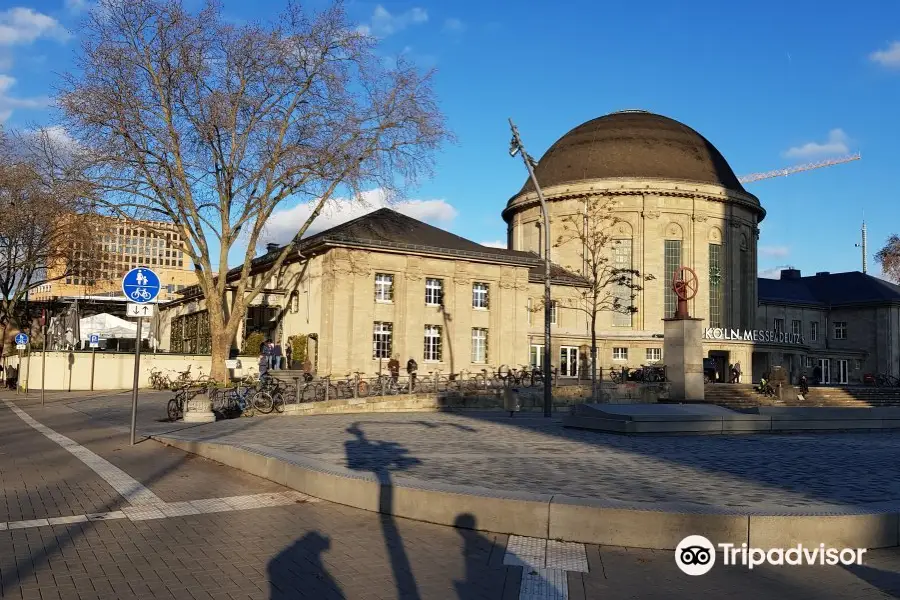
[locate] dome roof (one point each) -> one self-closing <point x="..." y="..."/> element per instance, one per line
<point x="633" y="144"/>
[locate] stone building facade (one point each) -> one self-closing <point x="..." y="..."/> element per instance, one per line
<point x="387" y="285"/>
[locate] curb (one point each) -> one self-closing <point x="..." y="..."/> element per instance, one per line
<point x="603" y="522"/>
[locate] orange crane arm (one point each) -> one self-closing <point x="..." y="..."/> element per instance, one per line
<point x="799" y="168"/>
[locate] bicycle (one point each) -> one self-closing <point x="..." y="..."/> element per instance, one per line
<point x="141" y="294"/>
<point x="345" y="387"/>
<point x="175" y="406"/>
<point x="885" y="380"/>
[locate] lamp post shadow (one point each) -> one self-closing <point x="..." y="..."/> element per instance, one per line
<point x="382" y="458"/>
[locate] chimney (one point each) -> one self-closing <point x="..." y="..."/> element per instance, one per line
<point x="790" y="274"/>
<point x="822" y="273"/>
<point x="271" y="247"/>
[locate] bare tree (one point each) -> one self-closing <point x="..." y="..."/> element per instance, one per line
<point x="43" y="226"/>
<point x="610" y="285"/>
<point x="210" y="125"/>
<point x="889" y="258"/>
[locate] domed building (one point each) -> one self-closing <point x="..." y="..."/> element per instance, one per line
<point x="387" y="287"/>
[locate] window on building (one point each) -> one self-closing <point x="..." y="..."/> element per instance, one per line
<point x="810" y="362"/>
<point x="554" y="312"/>
<point x="671" y="262"/>
<point x="382" y="339"/>
<point x="857" y="364"/>
<point x="433" y="343"/>
<point x="479" y="295"/>
<point x="716" y="285"/>
<point x="796" y="327"/>
<point x="654" y="355"/>
<point x="170" y="288"/>
<point x="536" y="356"/>
<point x="384" y="287"/>
<point x="840" y="330"/>
<point x="479" y="345"/>
<point x="779" y="325"/>
<point x="814" y="331"/>
<point x="620" y="353"/>
<point x="622" y="292"/>
<point x="434" y="291"/>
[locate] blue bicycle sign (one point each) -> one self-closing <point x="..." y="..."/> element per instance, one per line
<point x="21" y="339"/>
<point x="140" y="285"/>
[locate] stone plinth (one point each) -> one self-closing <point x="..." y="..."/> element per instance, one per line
<point x="199" y="410"/>
<point x="683" y="352"/>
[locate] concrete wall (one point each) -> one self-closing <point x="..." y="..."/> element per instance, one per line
<point x="111" y="371"/>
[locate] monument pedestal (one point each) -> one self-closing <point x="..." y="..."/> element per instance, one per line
<point x="199" y="410"/>
<point x="683" y="352"/>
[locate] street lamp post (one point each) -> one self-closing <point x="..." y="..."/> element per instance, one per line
<point x="517" y="147"/>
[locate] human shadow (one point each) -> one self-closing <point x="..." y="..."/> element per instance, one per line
<point x="483" y="560"/>
<point x="300" y="567"/>
<point x="887" y="582"/>
<point x="382" y="458"/>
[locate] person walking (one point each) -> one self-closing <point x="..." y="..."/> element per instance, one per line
<point x="737" y="372"/>
<point x="289" y="354"/>
<point x="394" y="368"/>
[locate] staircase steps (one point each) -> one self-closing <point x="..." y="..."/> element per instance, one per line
<point x="744" y="396"/>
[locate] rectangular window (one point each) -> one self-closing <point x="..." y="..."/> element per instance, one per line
<point x="622" y="291"/>
<point x="654" y="355"/>
<point x="536" y="356"/>
<point x="554" y="310"/>
<point x="779" y="325"/>
<point x="434" y="292"/>
<point x="479" y="295"/>
<point x="716" y="285"/>
<point x="384" y="287"/>
<point x="382" y="339"/>
<point x="810" y="362"/>
<point x="840" y="330"/>
<point x="671" y="262"/>
<point x="795" y="327"/>
<point x="479" y="345"/>
<point x="857" y="364"/>
<point x="814" y="331"/>
<point x="433" y="343"/>
<point x="621" y="353"/>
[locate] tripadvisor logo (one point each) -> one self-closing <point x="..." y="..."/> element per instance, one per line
<point x="696" y="555"/>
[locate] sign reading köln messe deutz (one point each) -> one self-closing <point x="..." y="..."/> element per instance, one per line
<point x="752" y="335"/>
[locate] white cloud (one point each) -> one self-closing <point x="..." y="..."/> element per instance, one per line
<point x="23" y="26"/>
<point x="495" y="244"/>
<point x="453" y="25"/>
<point x="835" y="144"/>
<point x="9" y="103"/>
<point x="774" y="272"/>
<point x="774" y="251"/>
<point x="284" y="224"/>
<point x="887" y="58"/>
<point x="77" y="6"/>
<point x="383" y="23"/>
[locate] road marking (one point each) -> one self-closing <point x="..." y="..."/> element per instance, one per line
<point x="166" y="510"/>
<point x="127" y="486"/>
<point x="544" y="563"/>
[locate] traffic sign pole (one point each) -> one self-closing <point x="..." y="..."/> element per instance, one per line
<point x="43" y="363"/>
<point x="137" y="372"/>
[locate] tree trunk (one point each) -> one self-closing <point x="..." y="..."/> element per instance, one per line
<point x="594" y="356"/>
<point x="220" y="345"/>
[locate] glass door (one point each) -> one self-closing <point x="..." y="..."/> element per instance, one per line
<point x="568" y="361"/>
<point x="842" y="371"/>
<point x="825" y="368"/>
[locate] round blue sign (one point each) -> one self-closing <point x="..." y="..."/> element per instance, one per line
<point x="140" y="285"/>
<point x="21" y="339"/>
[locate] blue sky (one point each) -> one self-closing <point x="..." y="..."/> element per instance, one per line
<point x="756" y="80"/>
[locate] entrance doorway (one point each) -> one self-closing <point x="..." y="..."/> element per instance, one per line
<point x="568" y="361"/>
<point x="842" y="371"/>
<point x="722" y="372"/>
<point x="825" y="368"/>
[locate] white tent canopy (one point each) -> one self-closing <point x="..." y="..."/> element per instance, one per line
<point x="109" y="326"/>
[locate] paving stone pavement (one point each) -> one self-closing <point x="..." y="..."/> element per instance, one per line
<point x="754" y="473"/>
<point x="318" y="550"/>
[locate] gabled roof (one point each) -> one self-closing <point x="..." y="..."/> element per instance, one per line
<point x="832" y="289"/>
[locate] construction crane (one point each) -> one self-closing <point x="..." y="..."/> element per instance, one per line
<point x="799" y="168"/>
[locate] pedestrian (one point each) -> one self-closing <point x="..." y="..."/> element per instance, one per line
<point x="737" y="372"/>
<point x="277" y="356"/>
<point x="267" y="349"/>
<point x="264" y="362"/>
<point x="730" y="373"/>
<point x="817" y="375"/>
<point x="411" y="368"/>
<point x="307" y="369"/>
<point x="12" y="376"/>
<point x="394" y="368"/>
<point x="289" y="354"/>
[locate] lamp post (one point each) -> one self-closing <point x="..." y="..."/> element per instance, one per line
<point x="517" y="147"/>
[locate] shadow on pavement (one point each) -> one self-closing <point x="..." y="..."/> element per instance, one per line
<point x="887" y="582"/>
<point x="383" y="458"/>
<point x="299" y="569"/>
